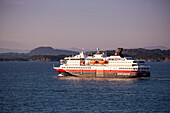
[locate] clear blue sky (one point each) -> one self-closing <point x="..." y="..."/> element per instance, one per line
<point x="107" y="24"/>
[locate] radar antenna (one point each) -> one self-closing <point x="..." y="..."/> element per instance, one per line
<point x="83" y="50"/>
<point x="98" y="52"/>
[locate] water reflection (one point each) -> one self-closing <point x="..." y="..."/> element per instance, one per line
<point x="116" y="82"/>
<point x="100" y="79"/>
<point x="109" y="79"/>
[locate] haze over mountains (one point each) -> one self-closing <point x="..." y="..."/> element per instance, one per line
<point x="156" y="47"/>
<point x="50" y="54"/>
<point x="6" y="50"/>
<point x="38" y="51"/>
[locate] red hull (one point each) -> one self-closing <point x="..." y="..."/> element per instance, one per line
<point x="105" y="71"/>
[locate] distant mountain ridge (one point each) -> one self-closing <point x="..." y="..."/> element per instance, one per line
<point x="4" y="50"/>
<point x="50" y="54"/>
<point x="38" y="51"/>
<point x="156" y="47"/>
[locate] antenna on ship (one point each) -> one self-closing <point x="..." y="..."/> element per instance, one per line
<point x="98" y="51"/>
<point x="83" y="50"/>
<point x="72" y="53"/>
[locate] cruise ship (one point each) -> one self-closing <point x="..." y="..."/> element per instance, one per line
<point x="102" y="66"/>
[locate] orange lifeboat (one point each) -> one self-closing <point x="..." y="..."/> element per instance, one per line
<point x="93" y="62"/>
<point x="82" y="63"/>
<point x="103" y="62"/>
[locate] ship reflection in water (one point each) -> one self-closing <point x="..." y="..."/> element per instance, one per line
<point x="100" y="79"/>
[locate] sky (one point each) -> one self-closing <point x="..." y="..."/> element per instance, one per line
<point x="105" y="24"/>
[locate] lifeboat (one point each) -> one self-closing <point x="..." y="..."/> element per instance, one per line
<point x="93" y="62"/>
<point x="82" y="63"/>
<point x="103" y="62"/>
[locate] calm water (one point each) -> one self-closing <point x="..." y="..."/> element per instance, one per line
<point x="33" y="87"/>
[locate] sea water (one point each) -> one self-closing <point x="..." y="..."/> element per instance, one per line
<point x="32" y="87"/>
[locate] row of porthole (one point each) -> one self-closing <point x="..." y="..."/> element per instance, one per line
<point x="119" y="62"/>
<point x="77" y="67"/>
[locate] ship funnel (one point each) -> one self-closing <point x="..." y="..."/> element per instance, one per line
<point x="119" y="52"/>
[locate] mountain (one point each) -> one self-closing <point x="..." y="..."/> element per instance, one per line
<point x="50" y="51"/>
<point x="156" y="47"/>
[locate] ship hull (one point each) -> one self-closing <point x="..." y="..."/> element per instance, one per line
<point x="105" y="74"/>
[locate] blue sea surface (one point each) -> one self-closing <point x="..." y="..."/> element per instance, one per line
<point x="32" y="87"/>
